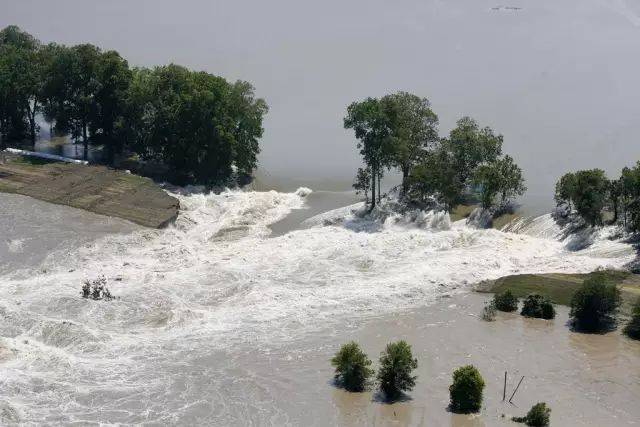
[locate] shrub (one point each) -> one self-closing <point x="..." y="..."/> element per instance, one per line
<point x="595" y="304"/>
<point x="505" y="301"/>
<point x="632" y="330"/>
<point x="352" y="367"/>
<point x="538" y="416"/>
<point x="489" y="312"/>
<point x="538" y="306"/>
<point x="396" y="365"/>
<point x="466" y="390"/>
<point x="96" y="289"/>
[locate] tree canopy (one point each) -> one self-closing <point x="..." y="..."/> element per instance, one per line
<point x="202" y="127"/>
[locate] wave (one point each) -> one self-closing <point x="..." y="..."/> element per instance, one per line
<point x="215" y="280"/>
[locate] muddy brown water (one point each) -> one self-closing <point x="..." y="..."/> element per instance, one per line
<point x="587" y="380"/>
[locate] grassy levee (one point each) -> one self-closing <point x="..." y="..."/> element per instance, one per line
<point x="560" y="287"/>
<point x="96" y="189"/>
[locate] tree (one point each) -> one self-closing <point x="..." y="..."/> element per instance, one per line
<point x="565" y="189"/>
<point x="538" y="306"/>
<point x="501" y="178"/>
<point x="20" y="83"/>
<point x="352" y="367"/>
<point x="590" y="195"/>
<point x="362" y="183"/>
<point x="414" y="128"/>
<point x="595" y="304"/>
<point x="247" y="113"/>
<point x="505" y="301"/>
<point x="466" y="391"/>
<point x="113" y="77"/>
<point x="372" y="129"/>
<point x="437" y="176"/>
<point x="472" y="146"/>
<point x="538" y="416"/>
<point x="396" y="365"/>
<point x="632" y="329"/>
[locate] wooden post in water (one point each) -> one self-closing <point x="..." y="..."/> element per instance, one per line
<point x="517" y="387"/>
<point x="504" y="390"/>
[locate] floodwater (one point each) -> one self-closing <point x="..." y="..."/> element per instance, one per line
<point x="221" y="321"/>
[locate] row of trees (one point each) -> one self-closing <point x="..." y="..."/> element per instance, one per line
<point x="400" y="131"/>
<point x="198" y="124"/>
<point x="589" y="193"/>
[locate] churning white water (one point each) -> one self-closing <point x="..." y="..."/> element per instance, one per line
<point x="215" y="283"/>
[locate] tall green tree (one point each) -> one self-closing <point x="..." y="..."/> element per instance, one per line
<point x="247" y="113"/>
<point x="436" y="176"/>
<point x="113" y="77"/>
<point x="501" y="179"/>
<point x="372" y="129"/>
<point x="414" y="129"/>
<point x="20" y="83"/>
<point x="590" y="195"/>
<point x="472" y="146"/>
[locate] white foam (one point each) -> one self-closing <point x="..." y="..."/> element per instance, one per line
<point x="216" y="279"/>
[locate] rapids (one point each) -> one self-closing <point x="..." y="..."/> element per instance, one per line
<point x="216" y="282"/>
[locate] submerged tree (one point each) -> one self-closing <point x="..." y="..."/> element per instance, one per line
<point x="396" y="366"/>
<point x="352" y="367"/>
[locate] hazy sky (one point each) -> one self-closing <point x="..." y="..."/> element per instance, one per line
<point x="560" y="79"/>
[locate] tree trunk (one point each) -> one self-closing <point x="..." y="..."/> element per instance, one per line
<point x="378" y="188"/>
<point x="85" y="141"/>
<point x="373" y="188"/>
<point x="31" y="112"/>
<point x="405" y="180"/>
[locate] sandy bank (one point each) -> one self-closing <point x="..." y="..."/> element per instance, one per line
<point x="93" y="188"/>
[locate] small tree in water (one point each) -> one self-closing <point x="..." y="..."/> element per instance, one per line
<point x="538" y="416"/>
<point x="505" y="301"/>
<point x="466" y="390"/>
<point x="594" y="306"/>
<point x="352" y="367"/>
<point x="538" y="306"/>
<point x="396" y="365"/>
<point x="632" y="330"/>
<point x="96" y="289"/>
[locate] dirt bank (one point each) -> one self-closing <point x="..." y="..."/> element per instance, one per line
<point x="93" y="188"/>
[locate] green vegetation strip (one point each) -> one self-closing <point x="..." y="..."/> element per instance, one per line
<point x="560" y="287"/>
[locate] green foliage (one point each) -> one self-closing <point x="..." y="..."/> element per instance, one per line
<point x="538" y="306"/>
<point x="587" y="190"/>
<point x="538" y="416"/>
<point x="414" y="128"/>
<point x="372" y="129"/>
<point x="501" y="178"/>
<point x="489" y="312"/>
<point x="632" y="329"/>
<point x="362" y="182"/>
<point x="199" y="125"/>
<point x="352" y="367"/>
<point x="436" y="176"/>
<point x="595" y="304"/>
<point x="396" y="365"/>
<point x="505" y="301"/>
<point x="466" y="390"/>
<point x="472" y="146"/>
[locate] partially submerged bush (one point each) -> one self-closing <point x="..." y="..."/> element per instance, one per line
<point x="96" y="289"/>
<point x="632" y="330"/>
<point x="352" y="367"/>
<point x="466" y="391"/>
<point x="595" y="305"/>
<point x="396" y="365"/>
<point x="538" y="416"/>
<point x="538" y="306"/>
<point x="505" y="301"/>
<point x="489" y="312"/>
